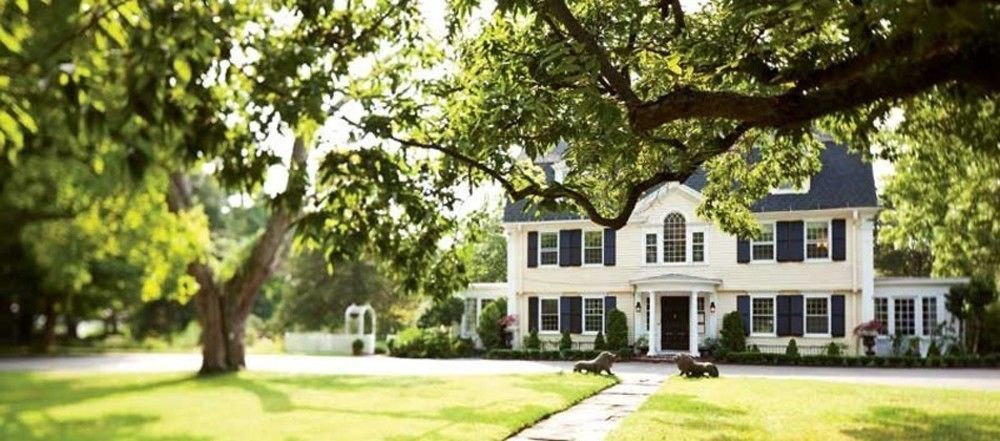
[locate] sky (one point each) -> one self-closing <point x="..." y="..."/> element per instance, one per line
<point x="334" y="132"/>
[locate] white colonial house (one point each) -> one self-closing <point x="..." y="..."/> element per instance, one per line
<point x="810" y="277"/>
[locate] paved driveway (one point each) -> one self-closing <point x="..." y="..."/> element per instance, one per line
<point x="976" y="379"/>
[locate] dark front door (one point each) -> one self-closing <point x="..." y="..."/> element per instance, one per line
<point x="674" y="326"/>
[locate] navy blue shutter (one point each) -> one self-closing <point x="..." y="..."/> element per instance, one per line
<point x="796" y="250"/>
<point x="564" y="313"/>
<point x="783" y="308"/>
<point x="610" y="304"/>
<point x="839" y="239"/>
<point x="610" y="238"/>
<point x="743" y="306"/>
<point x="781" y="241"/>
<point x="742" y="250"/>
<point x="837" y="315"/>
<point x="795" y="315"/>
<point x="576" y="247"/>
<point x="532" y="314"/>
<point x="576" y="315"/>
<point x="564" y="245"/>
<point x="532" y="249"/>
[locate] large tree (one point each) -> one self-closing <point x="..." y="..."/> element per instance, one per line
<point x="645" y="92"/>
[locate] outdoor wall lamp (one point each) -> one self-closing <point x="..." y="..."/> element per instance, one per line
<point x="711" y="307"/>
<point x="638" y="306"/>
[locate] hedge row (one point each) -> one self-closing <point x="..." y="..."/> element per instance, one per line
<point x="569" y="354"/>
<point x="835" y="360"/>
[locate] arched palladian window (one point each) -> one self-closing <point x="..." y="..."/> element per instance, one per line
<point x="674" y="237"/>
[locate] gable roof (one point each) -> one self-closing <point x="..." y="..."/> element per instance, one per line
<point x="844" y="181"/>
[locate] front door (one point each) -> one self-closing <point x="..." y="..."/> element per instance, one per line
<point x="674" y="326"/>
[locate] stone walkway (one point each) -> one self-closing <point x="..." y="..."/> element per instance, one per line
<point x="595" y="417"/>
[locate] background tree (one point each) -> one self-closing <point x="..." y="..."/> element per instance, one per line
<point x="485" y="247"/>
<point x="444" y="312"/>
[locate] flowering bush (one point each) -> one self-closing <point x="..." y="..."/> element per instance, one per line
<point x="868" y="329"/>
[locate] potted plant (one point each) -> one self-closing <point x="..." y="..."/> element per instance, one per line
<point x="357" y="346"/>
<point x="867" y="331"/>
<point x="641" y="345"/>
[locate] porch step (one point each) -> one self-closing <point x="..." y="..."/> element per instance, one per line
<point x="666" y="358"/>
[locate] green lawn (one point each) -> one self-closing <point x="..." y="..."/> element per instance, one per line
<point x="279" y="407"/>
<point x="731" y="408"/>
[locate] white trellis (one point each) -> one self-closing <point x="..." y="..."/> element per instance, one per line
<point x="326" y="342"/>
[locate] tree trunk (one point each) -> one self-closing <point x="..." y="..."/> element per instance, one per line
<point x="49" y="329"/>
<point x="223" y="307"/>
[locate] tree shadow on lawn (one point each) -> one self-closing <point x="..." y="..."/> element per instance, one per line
<point x="274" y="400"/>
<point x="693" y="413"/>
<point x="129" y="426"/>
<point x="25" y="392"/>
<point x="887" y="422"/>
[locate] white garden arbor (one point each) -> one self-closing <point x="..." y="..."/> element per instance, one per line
<point x="355" y="318"/>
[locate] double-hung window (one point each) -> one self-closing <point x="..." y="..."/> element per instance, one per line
<point x="593" y="314"/>
<point x="929" y="316"/>
<point x="548" y="315"/>
<point x="763" y="248"/>
<point x="698" y="246"/>
<point x="651" y="248"/>
<point x="593" y="247"/>
<point x="471" y="316"/>
<point x="818" y="240"/>
<point x="817" y="315"/>
<point x="701" y="315"/>
<point x="762" y="315"/>
<point x="904" y="315"/>
<point x="548" y="248"/>
<point x="882" y="314"/>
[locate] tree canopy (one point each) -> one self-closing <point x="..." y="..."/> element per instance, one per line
<point x="645" y="92"/>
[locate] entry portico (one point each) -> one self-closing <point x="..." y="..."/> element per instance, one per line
<point x="668" y="306"/>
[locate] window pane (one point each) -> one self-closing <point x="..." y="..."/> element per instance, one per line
<point x="593" y="239"/>
<point x="549" y="248"/>
<point x="701" y="315"/>
<point x="763" y="249"/>
<point x="763" y="316"/>
<point x="698" y="246"/>
<point x="593" y="247"/>
<point x="549" y="315"/>
<point x="904" y="315"/>
<point x="817" y="320"/>
<point x="593" y="315"/>
<point x="651" y="248"/>
<point x="817" y="240"/>
<point x="674" y="241"/>
<point x="882" y="314"/>
<point x="929" y="314"/>
<point x="471" y="319"/>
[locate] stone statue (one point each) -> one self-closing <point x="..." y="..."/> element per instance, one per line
<point x="691" y="368"/>
<point x="601" y="363"/>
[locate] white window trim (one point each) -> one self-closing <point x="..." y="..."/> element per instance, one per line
<point x="829" y="315"/>
<point x="774" y="244"/>
<point x="774" y="315"/>
<point x="924" y="331"/>
<point x="558" y="315"/>
<point x="794" y="190"/>
<point x="540" y="264"/>
<point x="917" y="325"/>
<point x="805" y="241"/>
<point x="657" y="245"/>
<point x="705" y="304"/>
<point x="704" y="245"/>
<point x="583" y="314"/>
<point x="687" y="242"/>
<point x="583" y="248"/>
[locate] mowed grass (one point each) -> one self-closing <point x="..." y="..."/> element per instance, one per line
<point x="742" y="408"/>
<point x="252" y="406"/>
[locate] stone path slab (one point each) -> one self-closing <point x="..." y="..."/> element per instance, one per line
<point x="592" y="419"/>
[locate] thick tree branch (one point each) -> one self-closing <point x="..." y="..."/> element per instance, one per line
<point x="618" y="82"/>
<point x="972" y="64"/>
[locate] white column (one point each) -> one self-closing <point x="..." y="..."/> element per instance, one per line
<point x="712" y="320"/>
<point x="513" y="274"/>
<point x="693" y="324"/>
<point x="867" y="255"/>
<point x="654" y="328"/>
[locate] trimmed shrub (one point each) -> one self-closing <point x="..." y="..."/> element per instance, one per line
<point x="532" y="341"/>
<point x="430" y="343"/>
<point x="490" y="327"/>
<point x="357" y="346"/>
<point x="833" y="349"/>
<point x="864" y="361"/>
<point x="913" y="347"/>
<point x="792" y="349"/>
<point x="732" y="337"/>
<point x="933" y="351"/>
<point x="572" y="355"/>
<point x="754" y="349"/>
<point x="617" y="330"/>
<point x="565" y="343"/>
<point x="599" y="344"/>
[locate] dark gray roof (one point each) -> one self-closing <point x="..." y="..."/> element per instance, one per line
<point x="844" y="181"/>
